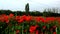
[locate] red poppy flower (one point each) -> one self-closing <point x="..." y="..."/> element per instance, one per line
<point x="53" y="19"/>
<point x="32" y="28"/>
<point x="17" y="18"/>
<point x="42" y="19"/>
<point x="38" y="19"/>
<point x="6" y="19"/>
<point x="44" y="27"/>
<point x="11" y="15"/>
<point x="37" y="32"/>
<point x="21" y="20"/>
<point x="28" y="18"/>
<point x="17" y="31"/>
<point x="54" y="32"/>
<point x="3" y="15"/>
<point x="24" y="17"/>
<point x="2" y="19"/>
<point x="58" y="20"/>
<point x="50" y="19"/>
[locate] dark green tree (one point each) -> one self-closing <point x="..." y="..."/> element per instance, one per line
<point x="27" y="8"/>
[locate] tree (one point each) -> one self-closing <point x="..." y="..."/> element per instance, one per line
<point x="27" y="8"/>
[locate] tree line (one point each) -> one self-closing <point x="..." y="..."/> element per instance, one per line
<point x="32" y="13"/>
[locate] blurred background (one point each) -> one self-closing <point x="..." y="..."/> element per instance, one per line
<point x="36" y="7"/>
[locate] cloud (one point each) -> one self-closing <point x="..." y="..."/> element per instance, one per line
<point x="34" y="4"/>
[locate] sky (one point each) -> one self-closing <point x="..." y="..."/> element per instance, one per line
<point x="34" y="4"/>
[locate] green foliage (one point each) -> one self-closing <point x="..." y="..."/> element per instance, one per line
<point x="46" y="13"/>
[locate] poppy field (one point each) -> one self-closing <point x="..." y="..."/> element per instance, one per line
<point x="13" y="24"/>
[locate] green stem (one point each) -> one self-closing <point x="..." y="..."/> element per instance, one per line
<point x="56" y="30"/>
<point x="26" y="31"/>
<point x="22" y="28"/>
<point x="8" y="29"/>
<point x="14" y="29"/>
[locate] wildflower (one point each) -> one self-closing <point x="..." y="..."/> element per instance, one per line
<point x="17" y="31"/>
<point x="17" y="18"/>
<point x="54" y="32"/>
<point x="28" y="18"/>
<point x="21" y="20"/>
<point x="11" y="15"/>
<point x="38" y="19"/>
<point x="37" y="32"/>
<point x="6" y="19"/>
<point x="32" y="29"/>
<point x="24" y="17"/>
<point x="44" y="27"/>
